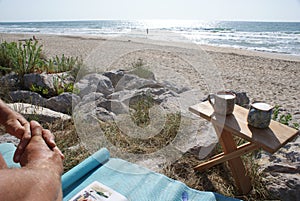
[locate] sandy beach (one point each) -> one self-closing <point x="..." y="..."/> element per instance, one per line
<point x="273" y="78"/>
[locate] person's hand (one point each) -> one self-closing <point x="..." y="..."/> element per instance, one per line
<point x="44" y="164"/>
<point x="38" y="154"/>
<point x="16" y="125"/>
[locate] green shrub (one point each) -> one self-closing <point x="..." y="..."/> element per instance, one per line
<point x="22" y="58"/>
<point x="26" y="57"/>
<point x="39" y="89"/>
<point x="63" y="64"/>
<point x="284" y="118"/>
<point x="60" y="86"/>
<point x="6" y="52"/>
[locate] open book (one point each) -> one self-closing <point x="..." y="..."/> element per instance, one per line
<point x="98" y="192"/>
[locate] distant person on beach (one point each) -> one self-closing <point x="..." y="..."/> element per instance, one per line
<point x="39" y="178"/>
<point x="147" y="30"/>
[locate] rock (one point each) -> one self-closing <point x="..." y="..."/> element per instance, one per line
<point x="115" y="106"/>
<point x="282" y="171"/>
<point x="27" y="97"/>
<point x="91" y="112"/>
<point x="91" y="97"/>
<point x="189" y="136"/>
<point x="163" y="98"/>
<point x="173" y="102"/>
<point x="142" y="73"/>
<point x="85" y="87"/>
<point x="63" y="102"/>
<point x="38" y="113"/>
<point x="47" y="81"/>
<point x="242" y="99"/>
<point x="114" y="76"/>
<point x="104" y="115"/>
<point x="94" y="83"/>
<point x="174" y="87"/>
<point x="132" y="97"/>
<point x="130" y="82"/>
<point x="96" y="106"/>
<point x="10" y="82"/>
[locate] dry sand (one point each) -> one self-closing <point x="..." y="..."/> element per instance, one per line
<point x="273" y="78"/>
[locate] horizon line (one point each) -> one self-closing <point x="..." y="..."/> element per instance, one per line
<point x="83" y="20"/>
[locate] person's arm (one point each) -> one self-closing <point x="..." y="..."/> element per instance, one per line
<point x="40" y="175"/>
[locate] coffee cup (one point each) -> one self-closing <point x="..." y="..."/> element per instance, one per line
<point x="260" y="115"/>
<point x="223" y="102"/>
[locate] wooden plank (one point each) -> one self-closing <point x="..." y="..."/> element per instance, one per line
<point x="220" y="158"/>
<point x="270" y="139"/>
<point x="242" y="180"/>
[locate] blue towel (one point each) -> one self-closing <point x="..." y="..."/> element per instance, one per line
<point x="7" y="150"/>
<point x="74" y="177"/>
<point x="133" y="181"/>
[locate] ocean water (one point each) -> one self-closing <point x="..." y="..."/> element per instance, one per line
<point x="277" y="37"/>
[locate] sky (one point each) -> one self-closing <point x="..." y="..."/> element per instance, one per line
<point x="241" y="10"/>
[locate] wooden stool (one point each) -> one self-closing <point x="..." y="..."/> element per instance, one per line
<point x="270" y="139"/>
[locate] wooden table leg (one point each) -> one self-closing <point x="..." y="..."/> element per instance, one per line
<point x="221" y="158"/>
<point x="242" y="180"/>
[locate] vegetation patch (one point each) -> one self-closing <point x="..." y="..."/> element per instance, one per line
<point x="140" y="116"/>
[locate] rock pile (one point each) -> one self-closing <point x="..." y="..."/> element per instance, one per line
<point x="282" y="171"/>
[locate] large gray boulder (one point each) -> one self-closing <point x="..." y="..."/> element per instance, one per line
<point x="38" y="113"/>
<point x="46" y="81"/>
<point x="130" y="82"/>
<point x="282" y="171"/>
<point x="63" y="103"/>
<point x="27" y="97"/>
<point x="91" y="97"/>
<point x="90" y="112"/>
<point x="94" y="83"/>
<point x="114" y="106"/>
<point x="114" y="76"/>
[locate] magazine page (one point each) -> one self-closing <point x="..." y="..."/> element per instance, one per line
<point x="97" y="191"/>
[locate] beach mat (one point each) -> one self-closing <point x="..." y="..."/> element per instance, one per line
<point x="7" y="150"/>
<point x="134" y="182"/>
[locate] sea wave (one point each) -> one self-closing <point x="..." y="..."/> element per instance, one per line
<point x="278" y="37"/>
